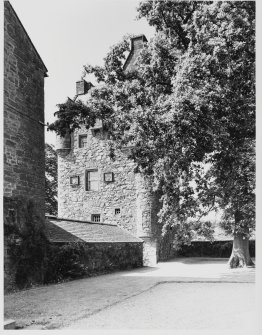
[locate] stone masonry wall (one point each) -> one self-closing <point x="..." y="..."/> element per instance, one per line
<point x="148" y="206"/>
<point x="101" y="257"/>
<point x="74" y="202"/>
<point x="129" y="192"/>
<point x="24" y="72"/>
<point x="137" y="43"/>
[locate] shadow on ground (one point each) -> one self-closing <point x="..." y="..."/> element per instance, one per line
<point x="59" y="305"/>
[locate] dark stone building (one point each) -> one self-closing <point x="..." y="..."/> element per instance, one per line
<point x="24" y="144"/>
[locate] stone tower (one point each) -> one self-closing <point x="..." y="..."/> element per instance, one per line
<point x="24" y="146"/>
<point x="93" y="187"/>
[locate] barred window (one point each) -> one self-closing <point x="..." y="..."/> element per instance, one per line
<point x="95" y="217"/>
<point x="117" y="211"/>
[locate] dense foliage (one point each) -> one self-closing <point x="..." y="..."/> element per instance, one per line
<point x="50" y="180"/>
<point x="33" y="260"/>
<point x="26" y="241"/>
<point x="64" y="262"/>
<point x="188" y="110"/>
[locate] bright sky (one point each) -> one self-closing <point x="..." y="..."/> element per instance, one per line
<point x="70" y="33"/>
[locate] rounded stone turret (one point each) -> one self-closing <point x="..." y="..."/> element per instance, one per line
<point x="145" y="222"/>
<point x="63" y="144"/>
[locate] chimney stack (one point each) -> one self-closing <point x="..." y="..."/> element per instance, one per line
<point x="82" y="87"/>
<point x="137" y="43"/>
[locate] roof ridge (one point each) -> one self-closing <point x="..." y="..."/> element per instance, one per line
<point x="6" y="2"/>
<point x="102" y="233"/>
<point x="51" y="217"/>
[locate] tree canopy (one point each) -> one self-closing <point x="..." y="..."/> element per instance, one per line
<point x="50" y="180"/>
<point x="188" y="110"/>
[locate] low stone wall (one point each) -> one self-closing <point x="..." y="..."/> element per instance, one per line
<point x="113" y="256"/>
<point x="214" y="249"/>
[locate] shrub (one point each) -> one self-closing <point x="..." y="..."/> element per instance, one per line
<point x="26" y="241"/>
<point x="64" y="262"/>
<point x="33" y="259"/>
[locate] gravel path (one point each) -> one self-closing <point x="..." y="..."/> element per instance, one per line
<point x="60" y="305"/>
<point x="180" y="306"/>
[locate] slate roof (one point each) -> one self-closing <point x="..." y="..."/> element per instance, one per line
<point x="56" y="234"/>
<point x="63" y="230"/>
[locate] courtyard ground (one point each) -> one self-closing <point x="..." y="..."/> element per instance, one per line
<point x="183" y="293"/>
<point x="180" y="306"/>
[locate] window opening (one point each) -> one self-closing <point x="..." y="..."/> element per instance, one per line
<point x="82" y="141"/>
<point x="108" y="177"/>
<point x="74" y="180"/>
<point x="97" y="132"/>
<point x="117" y="211"/>
<point x="95" y="217"/>
<point x="92" y="181"/>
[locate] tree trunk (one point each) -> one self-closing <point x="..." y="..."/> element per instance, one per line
<point x="240" y="256"/>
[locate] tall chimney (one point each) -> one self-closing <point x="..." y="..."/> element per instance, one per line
<point x="137" y="43"/>
<point x="82" y="87"/>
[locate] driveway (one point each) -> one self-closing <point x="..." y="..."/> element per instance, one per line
<point x="73" y="303"/>
<point x="170" y="305"/>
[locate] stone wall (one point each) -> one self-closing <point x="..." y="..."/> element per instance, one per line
<point x="129" y="192"/>
<point x="24" y="152"/>
<point x="24" y="72"/>
<point x="74" y="202"/>
<point x="137" y="44"/>
<point x="101" y="257"/>
<point x="211" y="249"/>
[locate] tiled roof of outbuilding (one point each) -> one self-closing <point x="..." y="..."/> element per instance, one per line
<point x="63" y="230"/>
<point x="56" y="234"/>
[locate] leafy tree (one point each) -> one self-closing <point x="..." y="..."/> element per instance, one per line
<point x="26" y="240"/>
<point x="188" y="110"/>
<point x="50" y="179"/>
<point x="217" y="75"/>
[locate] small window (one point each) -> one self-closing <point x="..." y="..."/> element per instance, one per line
<point x="82" y="141"/>
<point x="92" y="180"/>
<point x="97" y="132"/>
<point x="74" y="180"/>
<point x="95" y="217"/>
<point x="108" y="177"/>
<point x="117" y="211"/>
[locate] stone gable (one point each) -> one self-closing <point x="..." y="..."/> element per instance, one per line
<point x="24" y="72"/>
